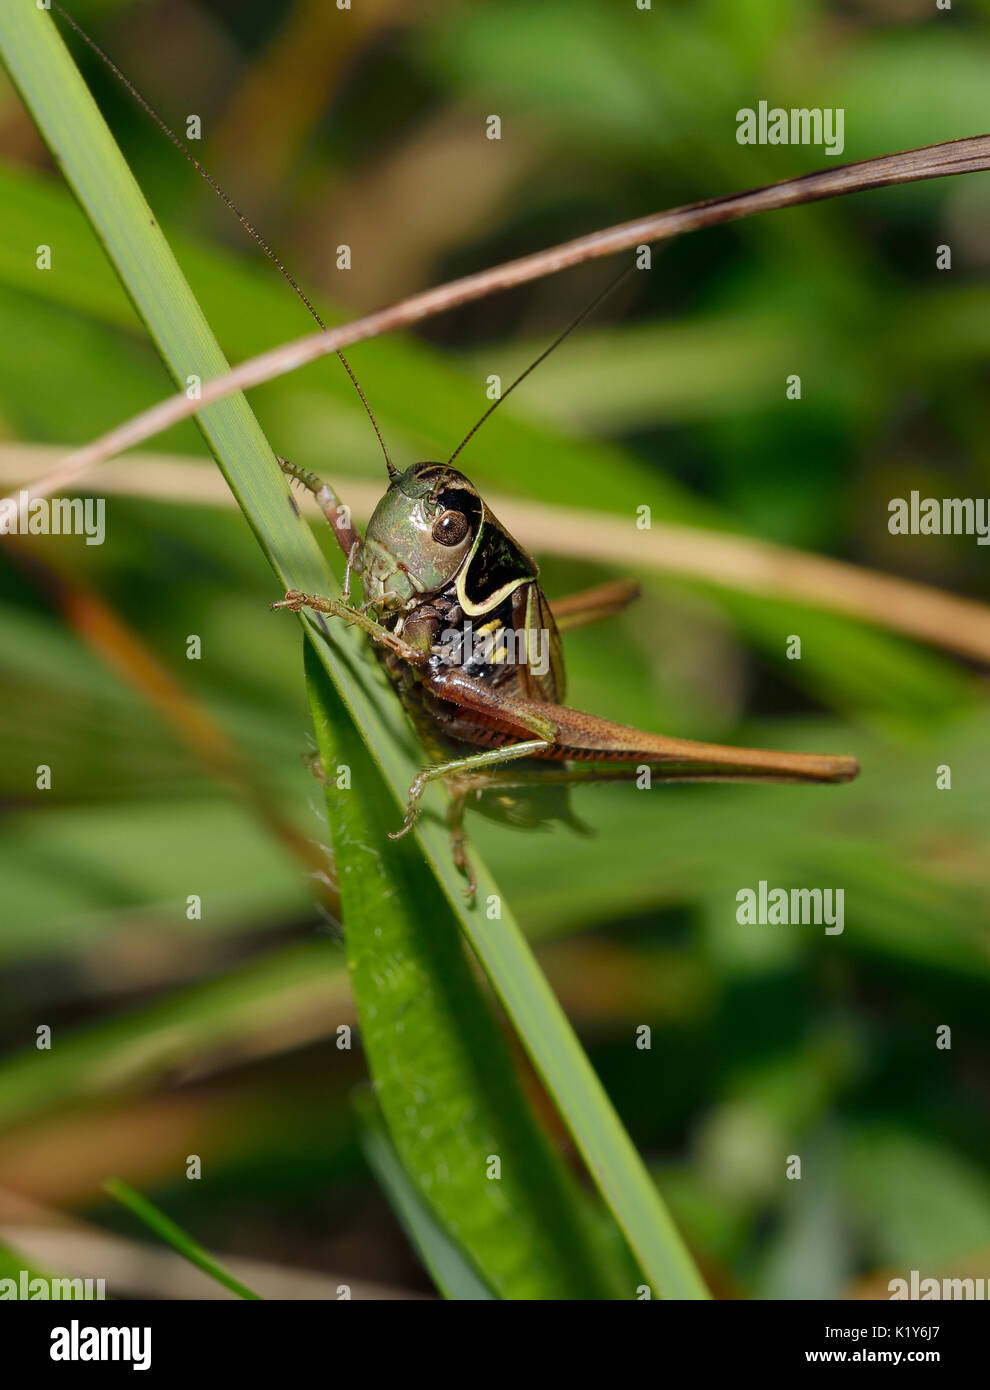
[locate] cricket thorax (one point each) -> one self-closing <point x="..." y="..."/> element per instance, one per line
<point x="486" y="648"/>
<point x="496" y="649"/>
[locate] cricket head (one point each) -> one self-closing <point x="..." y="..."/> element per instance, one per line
<point x="420" y="535"/>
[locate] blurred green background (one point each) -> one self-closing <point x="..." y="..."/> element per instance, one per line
<point x="217" y="1036"/>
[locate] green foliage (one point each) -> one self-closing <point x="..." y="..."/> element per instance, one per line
<point x="118" y="212"/>
<point x="442" y="1256"/>
<point x="444" y="1077"/>
<point x="220" y="1033"/>
<point x="173" y="1235"/>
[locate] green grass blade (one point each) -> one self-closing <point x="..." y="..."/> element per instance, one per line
<point x="71" y="124"/>
<point x="443" y="1073"/>
<point x="453" y="1275"/>
<point x="164" y="1227"/>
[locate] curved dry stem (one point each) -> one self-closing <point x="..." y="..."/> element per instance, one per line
<point x="909" y="166"/>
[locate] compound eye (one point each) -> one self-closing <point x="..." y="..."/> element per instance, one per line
<point x="450" y="528"/>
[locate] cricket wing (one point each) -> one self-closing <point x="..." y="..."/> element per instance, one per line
<point x="540" y="667"/>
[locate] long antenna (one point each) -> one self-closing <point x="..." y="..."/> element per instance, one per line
<point x="589" y="308"/>
<point x="252" y="231"/>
